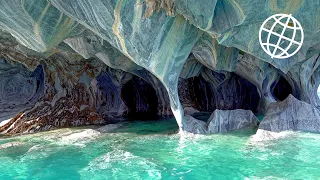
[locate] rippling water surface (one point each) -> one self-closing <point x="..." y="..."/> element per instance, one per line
<point x="153" y="150"/>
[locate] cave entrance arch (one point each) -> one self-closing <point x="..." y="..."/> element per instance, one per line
<point x="233" y="92"/>
<point x="281" y="89"/>
<point x="141" y="99"/>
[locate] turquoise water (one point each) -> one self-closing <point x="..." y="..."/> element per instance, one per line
<point x="153" y="150"/>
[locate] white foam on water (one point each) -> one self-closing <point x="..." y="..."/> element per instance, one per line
<point x="120" y="163"/>
<point x="37" y="152"/>
<point x="79" y="138"/>
<point x="66" y="136"/>
<point x="109" y="128"/>
<point x="263" y="135"/>
<point x="35" y="148"/>
<point x="11" y="144"/>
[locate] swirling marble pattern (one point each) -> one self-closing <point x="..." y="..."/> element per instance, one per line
<point x="36" y="24"/>
<point x="20" y="88"/>
<point x="76" y="56"/>
<point x="293" y="115"/>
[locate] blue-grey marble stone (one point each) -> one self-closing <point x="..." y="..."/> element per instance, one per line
<point x="222" y="121"/>
<point x="230" y="120"/>
<point x="20" y="88"/>
<point x="76" y="57"/>
<point x="291" y="114"/>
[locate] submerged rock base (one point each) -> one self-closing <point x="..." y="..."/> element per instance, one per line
<point x="291" y="114"/>
<point x="288" y="115"/>
<point x="222" y="121"/>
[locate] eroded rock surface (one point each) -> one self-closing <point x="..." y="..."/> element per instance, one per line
<point x="225" y="121"/>
<point x="291" y="114"/>
<point x="222" y="121"/>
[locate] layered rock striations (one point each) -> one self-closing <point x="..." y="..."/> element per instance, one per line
<point x="69" y="63"/>
<point x="222" y="121"/>
<point x="291" y="114"/>
<point x="288" y="115"/>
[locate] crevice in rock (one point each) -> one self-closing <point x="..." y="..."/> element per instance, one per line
<point x="281" y="89"/>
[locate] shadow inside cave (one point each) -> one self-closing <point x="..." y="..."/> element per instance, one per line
<point x="232" y="92"/>
<point x="141" y="100"/>
<point x="281" y="89"/>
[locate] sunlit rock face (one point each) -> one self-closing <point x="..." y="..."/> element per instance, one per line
<point x="69" y="63"/>
<point x="36" y="24"/>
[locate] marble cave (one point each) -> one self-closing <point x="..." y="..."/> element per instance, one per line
<point x="66" y="63"/>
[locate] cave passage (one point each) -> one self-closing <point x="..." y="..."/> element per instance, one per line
<point x="233" y="93"/>
<point x="141" y="100"/>
<point x="281" y="89"/>
<point x="202" y="94"/>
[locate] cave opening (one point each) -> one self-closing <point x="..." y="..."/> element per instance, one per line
<point x="281" y="89"/>
<point x="232" y="92"/>
<point x="141" y="99"/>
<point x="202" y="94"/>
<point x="239" y="93"/>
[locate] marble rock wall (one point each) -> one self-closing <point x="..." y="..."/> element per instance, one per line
<point x="68" y="63"/>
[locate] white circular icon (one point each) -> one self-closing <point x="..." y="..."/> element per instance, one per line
<point x="281" y="36"/>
